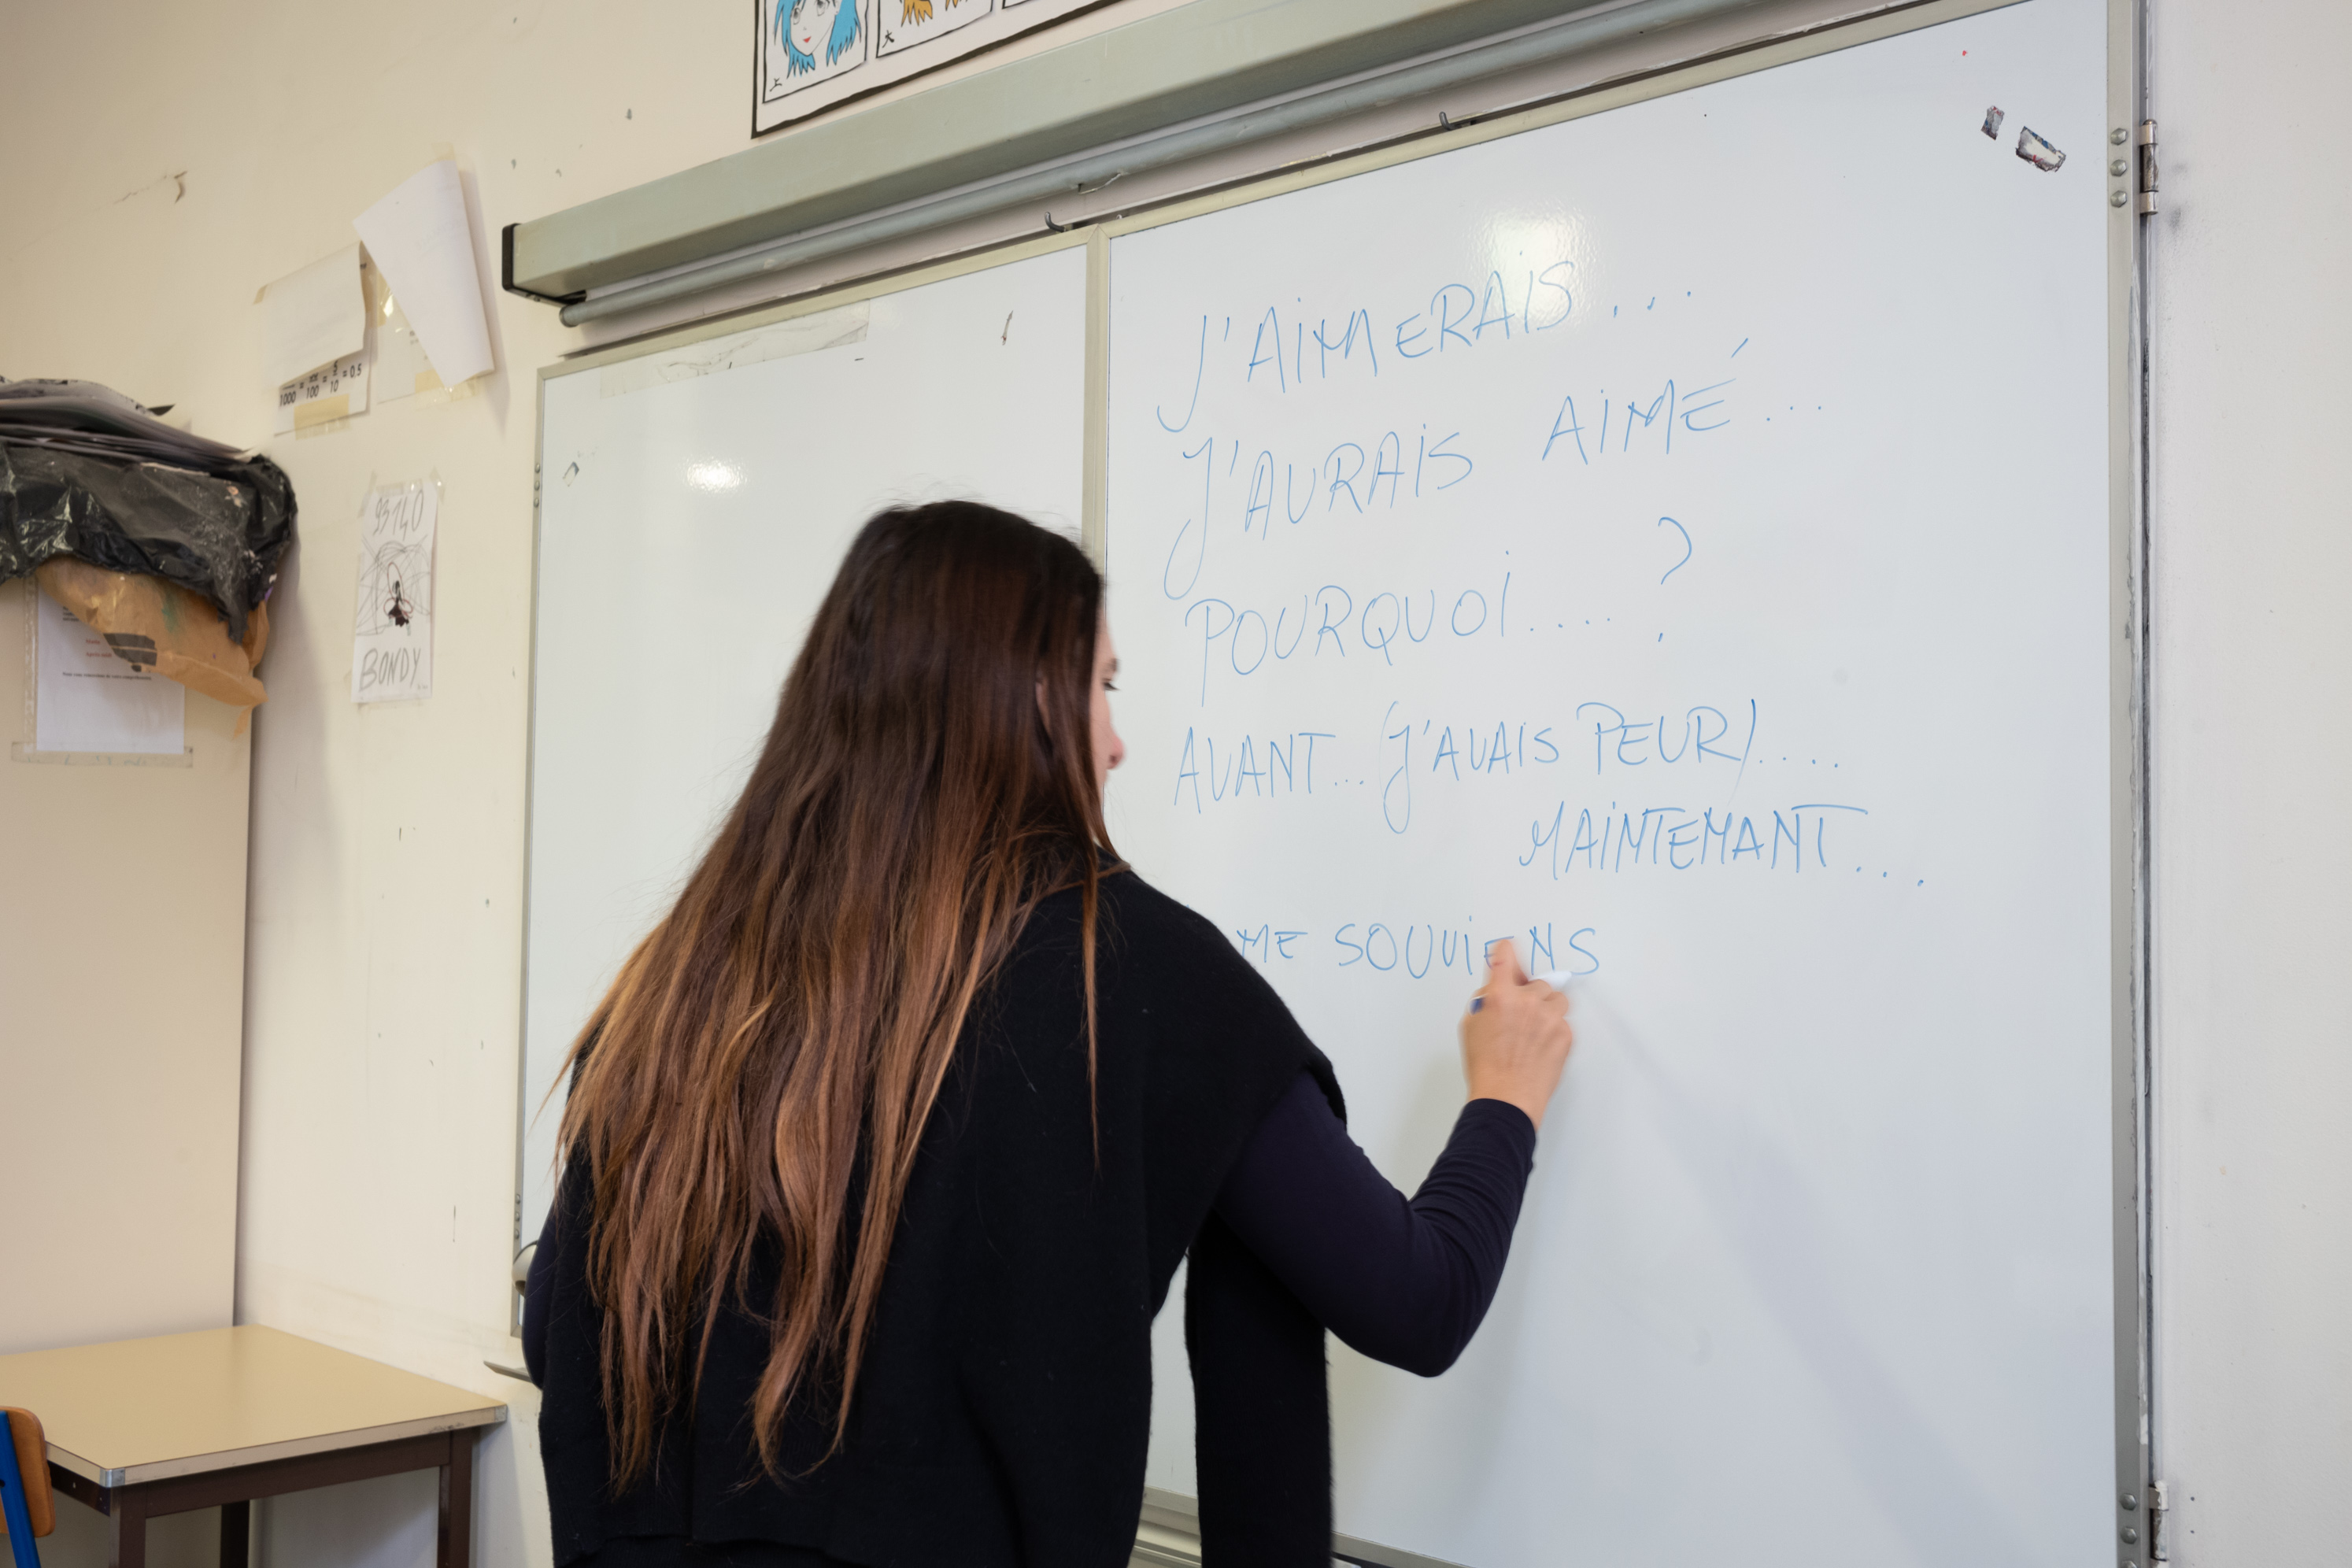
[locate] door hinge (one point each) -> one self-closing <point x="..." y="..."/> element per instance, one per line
<point x="2147" y="202"/>
<point x="2160" y="1543"/>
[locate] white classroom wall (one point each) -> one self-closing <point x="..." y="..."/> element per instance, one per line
<point x="161" y="163"/>
<point x="2252" y="732"/>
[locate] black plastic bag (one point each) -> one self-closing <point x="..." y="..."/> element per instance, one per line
<point x="85" y="472"/>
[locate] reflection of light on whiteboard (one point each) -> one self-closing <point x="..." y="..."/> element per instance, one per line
<point x="716" y="478"/>
<point x="1528" y="238"/>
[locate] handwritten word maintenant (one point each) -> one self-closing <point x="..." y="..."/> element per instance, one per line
<point x="1677" y="838"/>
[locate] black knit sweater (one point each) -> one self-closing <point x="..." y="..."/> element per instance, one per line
<point x="1004" y="1403"/>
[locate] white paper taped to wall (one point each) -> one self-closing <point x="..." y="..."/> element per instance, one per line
<point x="314" y="317"/>
<point x="419" y="239"/>
<point x="88" y="698"/>
<point x="332" y="391"/>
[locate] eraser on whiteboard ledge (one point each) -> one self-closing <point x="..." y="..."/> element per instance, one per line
<point x="2037" y="151"/>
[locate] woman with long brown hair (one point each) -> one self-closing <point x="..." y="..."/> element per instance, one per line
<point x="883" y="1147"/>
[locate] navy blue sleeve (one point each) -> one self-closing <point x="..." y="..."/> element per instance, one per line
<point x="1405" y="1282"/>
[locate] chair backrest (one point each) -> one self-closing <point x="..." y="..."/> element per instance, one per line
<point x="27" y="1455"/>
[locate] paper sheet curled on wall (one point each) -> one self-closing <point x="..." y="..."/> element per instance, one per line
<point x="2037" y="151"/>
<point x="419" y="239"/>
<point x="162" y="626"/>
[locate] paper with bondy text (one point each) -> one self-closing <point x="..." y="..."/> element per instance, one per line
<point x="391" y="643"/>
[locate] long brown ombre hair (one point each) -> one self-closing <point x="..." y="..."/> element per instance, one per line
<point x="768" y="1056"/>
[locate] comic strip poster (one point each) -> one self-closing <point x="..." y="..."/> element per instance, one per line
<point x="903" y="24"/>
<point x="809" y="55"/>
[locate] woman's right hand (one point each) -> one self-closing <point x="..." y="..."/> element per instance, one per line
<point x="1515" y="1038"/>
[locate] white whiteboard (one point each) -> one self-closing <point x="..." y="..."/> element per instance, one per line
<point x="1815" y="1266"/>
<point x="695" y="502"/>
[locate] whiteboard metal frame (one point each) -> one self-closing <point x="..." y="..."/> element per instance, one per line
<point x="2129" y="607"/>
<point x="2127" y="665"/>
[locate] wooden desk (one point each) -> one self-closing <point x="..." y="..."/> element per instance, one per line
<point x="141" y="1428"/>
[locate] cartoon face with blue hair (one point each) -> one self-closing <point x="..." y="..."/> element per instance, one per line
<point x="805" y="26"/>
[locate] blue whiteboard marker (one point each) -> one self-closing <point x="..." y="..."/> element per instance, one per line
<point x="1557" y="979"/>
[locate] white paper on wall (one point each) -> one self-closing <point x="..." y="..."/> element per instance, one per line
<point x="332" y="391"/>
<point x="87" y="698"/>
<point x="391" y="643"/>
<point x="314" y="317"/>
<point x="419" y="239"/>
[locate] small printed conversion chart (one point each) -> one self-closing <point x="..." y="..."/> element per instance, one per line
<point x="1675" y="540"/>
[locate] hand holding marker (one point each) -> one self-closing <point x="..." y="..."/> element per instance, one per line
<point x="1515" y="1037"/>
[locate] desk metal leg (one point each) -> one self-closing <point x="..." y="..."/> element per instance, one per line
<point x="457" y="1543"/>
<point x="126" y="1529"/>
<point x="237" y="1535"/>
